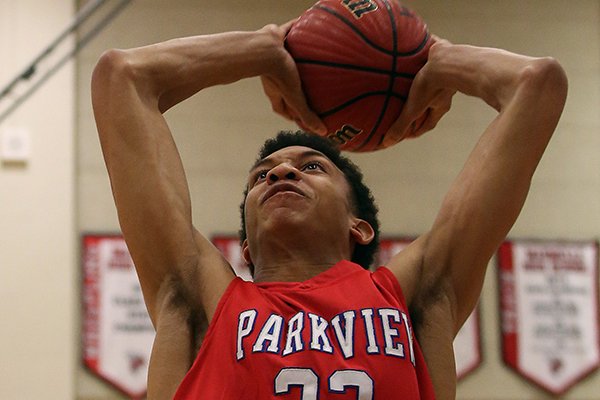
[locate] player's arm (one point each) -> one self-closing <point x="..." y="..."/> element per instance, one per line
<point x="442" y="272"/>
<point x="182" y="275"/>
<point x="449" y="261"/>
<point x="130" y="90"/>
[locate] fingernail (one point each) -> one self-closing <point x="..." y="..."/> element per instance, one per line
<point x="321" y="130"/>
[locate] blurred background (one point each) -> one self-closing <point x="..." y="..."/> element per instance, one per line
<point x="57" y="187"/>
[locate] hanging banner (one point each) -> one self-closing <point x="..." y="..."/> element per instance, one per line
<point x="467" y="345"/>
<point x="549" y="311"/>
<point x="389" y="247"/>
<point x="117" y="331"/>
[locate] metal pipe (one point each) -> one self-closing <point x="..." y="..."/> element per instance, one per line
<point x="30" y="70"/>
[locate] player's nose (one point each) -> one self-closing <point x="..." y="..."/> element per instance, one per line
<point x="282" y="171"/>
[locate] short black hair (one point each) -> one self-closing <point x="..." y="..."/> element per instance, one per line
<point x="362" y="198"/>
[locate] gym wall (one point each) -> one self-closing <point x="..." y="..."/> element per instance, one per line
<point x="39" y="341"/>
<point x="63" y="190"/>
<point x="219" y="131"/>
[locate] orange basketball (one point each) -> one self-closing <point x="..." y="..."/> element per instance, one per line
<point x="357" y="60"/>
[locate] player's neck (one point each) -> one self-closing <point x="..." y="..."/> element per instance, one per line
<point x="296" y="252"/>
<point x="296" y="265"/>
<point x="289" y="272"/>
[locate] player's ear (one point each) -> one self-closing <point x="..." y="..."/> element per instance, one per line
<point x="246" y="252"/>
<point x="361" y="231"/>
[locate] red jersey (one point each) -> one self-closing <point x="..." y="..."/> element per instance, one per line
<point x="343" y="334"/>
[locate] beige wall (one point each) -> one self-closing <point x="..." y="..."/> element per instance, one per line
<point x="38" y="281"/>
<point x="219" y="131"/>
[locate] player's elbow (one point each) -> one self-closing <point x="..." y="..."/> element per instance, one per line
<point x="112" y="68"/>
<point x="112" y="59"/>
<point x="547" y="70"/>
<point x="547" y="80"/>
<point x="115" y="86"/>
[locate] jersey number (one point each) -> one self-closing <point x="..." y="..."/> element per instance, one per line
<point x="308" y="382"/>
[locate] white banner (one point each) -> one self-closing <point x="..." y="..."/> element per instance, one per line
<point x="549" y="311"/>
<point x="467" y="346"/>
<point x="117" y="331"/>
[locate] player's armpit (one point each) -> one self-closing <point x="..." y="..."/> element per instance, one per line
<point x="130" y="90"/>
<point x="179" y="331"/>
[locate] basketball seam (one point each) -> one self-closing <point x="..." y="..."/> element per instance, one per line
<point x="393" y="52"/>
<point x="355" y="68"/>
<point x="353" y="100"/>
<point x="389" y="91"/>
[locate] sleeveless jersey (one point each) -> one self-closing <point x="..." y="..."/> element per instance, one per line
<point x="343" y="334"/>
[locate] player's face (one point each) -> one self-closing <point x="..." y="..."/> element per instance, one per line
<point x="296" y="187"/>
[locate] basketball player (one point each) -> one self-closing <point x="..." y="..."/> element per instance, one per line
<point x="313" y="324"/>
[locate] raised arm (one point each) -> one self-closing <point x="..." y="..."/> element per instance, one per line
<point x="182" y="275"/>
<point x="131" y="89"/>
<point x="443" y="271"/>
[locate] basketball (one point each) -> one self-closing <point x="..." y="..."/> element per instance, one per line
<point x="357" y="60"/>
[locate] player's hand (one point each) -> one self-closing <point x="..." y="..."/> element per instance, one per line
<point x="427" y="102"/>
<point x="284" y="89"/>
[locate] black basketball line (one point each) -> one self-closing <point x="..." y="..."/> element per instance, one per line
<point x="353" y="100"/>
<point x="354" y="28"/>
<point x="417" y="49"/>
<point x="393" y="52"/>
<point x="389" y="91"/>
<point x="354" y="68"/>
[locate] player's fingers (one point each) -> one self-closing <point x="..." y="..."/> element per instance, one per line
<point x="435" y="114"/>
<point x="309" y="119"/>
<point x="279" y="107"/>
<point x="437" y="39"/>
<point x="288" y="25"/>
<point x="311" y="122"/>
<point x="398" y="132"/>
<point x="410" y="118"/>
<point x="420" y="125"/>
<point x="288" y="87"/>
<point x="417" y="103"/>
<point x="278" y="104"/>
<point x="430" y="121"/>
<point x="306" y="120"/>
<point x="302" y="126"/>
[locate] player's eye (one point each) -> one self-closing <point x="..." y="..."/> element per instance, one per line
<point x="313" y="166"/>
<point x="261" y="175"/>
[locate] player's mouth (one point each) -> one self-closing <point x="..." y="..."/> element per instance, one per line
<point x="278" y="188"/>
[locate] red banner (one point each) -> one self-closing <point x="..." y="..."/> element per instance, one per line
<point x="549" y="311"/>
<point x="467" y="346"/>
<point x="117" y="331"/>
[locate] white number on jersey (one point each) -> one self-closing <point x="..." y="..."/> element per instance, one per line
<point x="308" y="382"/>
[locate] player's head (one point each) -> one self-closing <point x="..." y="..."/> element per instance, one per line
<point x="361" y="200"/>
